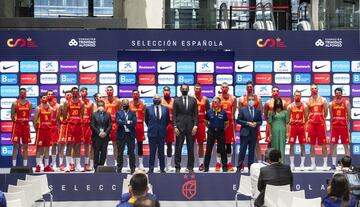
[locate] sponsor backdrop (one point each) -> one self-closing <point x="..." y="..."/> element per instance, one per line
<point x="151" y="59"/>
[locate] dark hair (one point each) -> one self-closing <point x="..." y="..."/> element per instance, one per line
<point x="74" y="88"/>
<point x="278" y="101"/>
<point x="83" y="88"/>
<point x="50" y="90"/>
<point x="166" y="88"/>
<point x="339" y="188"/>
<point x="146" y="201"/>
<point x="101" y="101"/>
<point x="110" y="87"/>
<point x="197" y="85"/>
<point x="42" y="95"/>
<point x="22" y="89"/>
<point x="339" y="89"/>
<point x="274" y="155"/>
<point x="139" y="184"/>
<point x="96" y="94"/>
<point x="250" y="82"/>
<point x="346" y="161"/>
<point x="135" y="90"/>
<point x="186" y="85"/>
<point x="267" y="154"/>
<point x="275" y="87"/>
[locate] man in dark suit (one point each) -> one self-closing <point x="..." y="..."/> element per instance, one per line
<point x="100" y="125"/>
<point x="126" y="120"/>
<point x="157" y="118"/>
<point x="185" y="121"/>
<point x="250" y="119"/>
<point x="274" y="174"/>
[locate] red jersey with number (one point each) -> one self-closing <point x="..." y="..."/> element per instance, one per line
<point x="22" y="111"/>
<point x="139" y="110"/>
<point x="201" y="108"/>
<point x="297" y="114"/>
<point x="112" y="107"/>
<point x="74" y="112"/>
<point x="44" y="119"/>
<point x="316" y="110"/>
<point x="339" y="115"/>
<point x="245" y="101"/>
<point x="227" y="106"/>
<point x="169" y="105"/>
<point x="87" y="110"/>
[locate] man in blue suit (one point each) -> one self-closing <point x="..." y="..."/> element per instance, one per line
<point x="157" y="118"/>
<point x="126" y="120"/>
<point x="250" y="119"/>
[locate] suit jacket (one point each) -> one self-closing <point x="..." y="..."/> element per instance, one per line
<point x="122" y="121"/>
<point x="274" y="174"/>
<point x="95" y="125"/>
<point x="244" y="117"/>
<point x="185" y="119"/>
<point x="156" y="127"/>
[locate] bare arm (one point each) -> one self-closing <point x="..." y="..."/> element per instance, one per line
<point x="65" y="110"/>
<point x="234" y="106"/>
<point x="36" y="117"/>
<point x="326" y="109"/>
<point x="82" y="112"/>
<point x="260" y="103"/>
<point x="306" y="113"/>
<point x="331" y="114"/>
<point x="266" y="111"/>
<point x="348" y="111"/>
<point x="13" y="111"/>
<point x="240" y="102"/>
<point x="207" y="104"/>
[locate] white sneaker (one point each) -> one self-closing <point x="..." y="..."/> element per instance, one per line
<point x="78" y="168"/>
<point x="313" y="168"/>
<point x="325" y="167"/>
<point x="292" y="166"/>
<point x="168" y="168"/>
<point x="67" y="169"/>
<point x="302" y="167"/>
<point x="141" y="167"/>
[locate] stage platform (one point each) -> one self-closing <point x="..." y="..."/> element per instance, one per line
<point x="182" y="186"/>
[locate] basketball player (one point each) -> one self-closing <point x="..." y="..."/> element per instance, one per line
<point x="89" y="108"/>
<point x="20" y="115"/>
<point x="340" y="112"/>
<point x="63" y="133"/>
<point x="43" y="125"/>
<point x="54" y="125"/>
<point x="112" y="105"/>
<point x="74" y="112"/>
<point x="228" y="104"/>
<point x="269" y="106"/>
<point x="316" y="125"/>
<point x="200" y="136"/>
<point x="138" y="106"/>
<point x="298" y="113"/>
<point x="243" y="102"/>
<point x="170" y="133"/>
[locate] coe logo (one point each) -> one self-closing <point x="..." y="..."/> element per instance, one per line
<point x="21" y="42"/>
<point x="88" y="78"/>
<point x="263" y="78"/>
<point x="147" y="79"/>
<point x="205" y="79"/>
<point x="270" y="42"/>
<point x="224" y="78"/>
<point x="322" y="78"/>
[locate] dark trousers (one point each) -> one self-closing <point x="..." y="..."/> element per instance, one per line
<point x="100" y="151"/>
<point x="130" y="143"/>
<point x="157" y="143"/>
<point x="220" y="137"/>
<point x="246" y="141"/>
<point x="190" y="148"/>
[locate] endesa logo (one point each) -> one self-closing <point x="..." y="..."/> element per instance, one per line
<point x="146" y="79"/>
<point x="7" y="102"/>
<point x="270" y="42"/>
<point x="88" y="78"/>
<point x="68" y="78"/>
<point x="356" y="126"/>
<point x="167" y="79"/>
<point x="185" y="79"/>
<point x="341" y="78"/>
<point x="263" y="78"/>
<point x="224" y="78"/>
<point x="109" y="78"/>
<point x="205" y="79"/>
<point x="10" y="79"/>
<point x="127" y="79"/>
<point x="48" y="78"/>
<point x="322" y="78"/>
<point x="21" y="42"/>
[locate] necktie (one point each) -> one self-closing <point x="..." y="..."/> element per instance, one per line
<point x="157" y="113"/>
<point x="252" y="112"/>
<point x="185" y="103"/>
<point x="102" y="119"/>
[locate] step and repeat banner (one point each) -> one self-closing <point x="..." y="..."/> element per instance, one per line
<point x="148" y="60"/>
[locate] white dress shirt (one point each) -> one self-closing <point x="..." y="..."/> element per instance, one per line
<point x="126" y="118"/>
<point x="187" y="102"/>
<point x="157" y="115"/>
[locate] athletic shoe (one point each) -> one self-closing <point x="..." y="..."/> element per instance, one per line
<point x="201" y="167"/>
<point x="72" y="167"/>
<point x="230" y="167"/>
<point x="313" y="168"/>
<point x="48" y="169"/>
<point x="38" y="168"/>
<point x="302" y="167"/>
<point x="141" y="167"/>
<point x="62" y="167"/>
<point x="68" y="169"/>
<point x="79" y="169"/>
<point x="217" y="167"/>
<point x="87" y="167"/>
<point x="168" y="168"/>
<point x="292" y="166"/>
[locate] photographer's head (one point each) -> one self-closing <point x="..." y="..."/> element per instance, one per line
<point x="138" y="185"/>
<point x="345" y="162"/>
<point x="274" y="155"/>
<point x="267" y="154"/>
<point x="146" y="201"/>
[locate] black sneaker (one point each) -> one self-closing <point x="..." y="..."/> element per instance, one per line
<point x="224" y="169"/>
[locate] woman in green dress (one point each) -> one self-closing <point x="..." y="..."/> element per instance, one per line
<point x="278" y="122"/>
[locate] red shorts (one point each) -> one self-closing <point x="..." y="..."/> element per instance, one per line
<point x="74" y="133"/>
<point x="259" y="135"/>
<point x="113" y="132"/>
<point x="54" y="134"/>
<point x="139" y="131"/>
<point x="200" y="135"/>
<point x="317" y="131"/>
<point x="86" y="130"/>
<point x="43" y="137"/>
<point x="170" y="133"/>
<point x="297" y="131"/>
<point x="339" y="132"/>
<point x="230" y="133"/>
<point x="63" y="133"/>
<point x="21" y="133"/>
